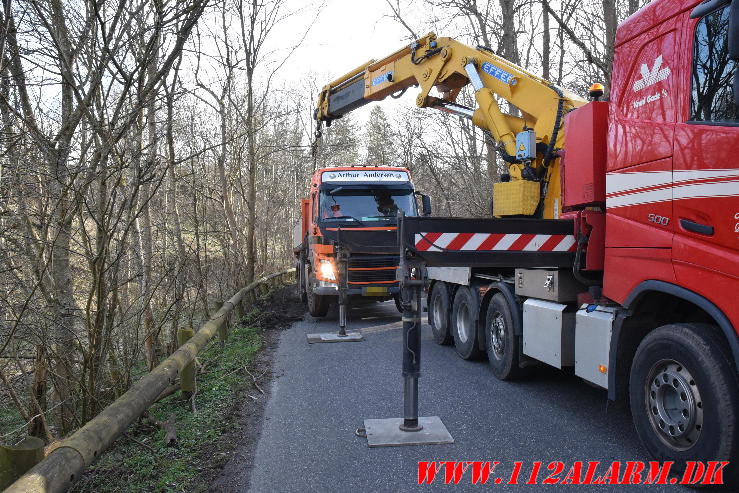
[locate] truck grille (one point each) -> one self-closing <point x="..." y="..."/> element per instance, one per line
<point x="372" y="261"/>
<point x="380" y="262"/>
<point x="371" y="275"/>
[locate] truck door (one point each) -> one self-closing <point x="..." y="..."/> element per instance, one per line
<point x="706" y="163"/>
<point x="641" y="138"/>
<point x="642" y="121"/>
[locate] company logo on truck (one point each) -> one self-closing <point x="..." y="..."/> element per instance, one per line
<point x="381" y="79"/>
<point x="372" y="176"/>
<point x="499" y="73"/>
<point x="651" y="77"/>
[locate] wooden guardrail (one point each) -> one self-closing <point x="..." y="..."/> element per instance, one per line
<point x="65" y="464"/>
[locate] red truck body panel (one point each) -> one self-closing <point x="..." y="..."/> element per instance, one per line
<point x="665" y="172"/>
<point x="304" y="216"/>
<point x="584" y="166"/>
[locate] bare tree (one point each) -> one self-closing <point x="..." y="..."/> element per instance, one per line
<point x="89" y="55"/>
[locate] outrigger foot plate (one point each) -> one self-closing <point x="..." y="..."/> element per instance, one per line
<point x="334" y="337"/>
<point x="387" y="432"/>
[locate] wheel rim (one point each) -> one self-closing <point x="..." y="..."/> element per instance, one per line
<point x="463" y="323"/>
<point x="497" y="335"/>
<point x="674" y="404"/>
<point x="437" y="311"/>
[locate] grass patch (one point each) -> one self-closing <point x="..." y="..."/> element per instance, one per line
<point x="12" y="428"/>
<point x="140" y="461"/>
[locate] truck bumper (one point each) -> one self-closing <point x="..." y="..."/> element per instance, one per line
<point x="333" y="290"/>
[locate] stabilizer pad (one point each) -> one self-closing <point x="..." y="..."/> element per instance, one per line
<point x="334" y="337"/>
<point x="385" y="432"/>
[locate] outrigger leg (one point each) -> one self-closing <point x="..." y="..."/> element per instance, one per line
<point x="342" y="262"/>
<point x="410" y="429"/>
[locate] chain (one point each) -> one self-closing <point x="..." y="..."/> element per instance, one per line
<point x="316" y="142"/>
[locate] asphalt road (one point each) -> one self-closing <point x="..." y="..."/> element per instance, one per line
<point x="321" y="394"/>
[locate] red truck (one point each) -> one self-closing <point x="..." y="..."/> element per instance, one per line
<point x="614" y="249"/>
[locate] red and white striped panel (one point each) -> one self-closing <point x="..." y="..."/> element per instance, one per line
<point x="649" y="187"/>
<point x="487" y="242"/>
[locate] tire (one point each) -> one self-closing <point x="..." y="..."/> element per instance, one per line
<point x="684" y="397"/>
<point x="399" y="307"/>
<point x="463" y="325"/>
<point x="501" y="341"/>
<point x="317" y="304"/>
<point x="438" y="314"/>
<point x="300" y="282"/>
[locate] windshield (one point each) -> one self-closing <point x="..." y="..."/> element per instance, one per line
<point x="365" y="205"/>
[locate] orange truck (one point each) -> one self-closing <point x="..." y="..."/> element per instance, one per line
<point x="346" y="243"/>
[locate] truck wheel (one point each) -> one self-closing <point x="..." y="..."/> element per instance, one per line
<point x="501" y="340"/>
<point x="684" y="397"/>
<point x="438" y="306"/>
<point x="317" y="304"/>
<point x="398" y="305"/>
<point x="300" y="282"/>
<point x="463" y="326"/>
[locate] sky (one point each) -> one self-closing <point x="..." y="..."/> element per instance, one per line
<point x="345" y="34"/>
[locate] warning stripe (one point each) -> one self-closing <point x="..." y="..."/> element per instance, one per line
<point x="424" y="242"/>
<point x="459" y="241"/>
<point x="490" y="242"/>
<point x="568" y="244"/>
<point x="487" y="242"/>
<point x="550" y="243"/>
<point x="521" y="242"/>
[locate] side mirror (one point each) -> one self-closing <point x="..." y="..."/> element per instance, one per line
<point x="425" y="205"/>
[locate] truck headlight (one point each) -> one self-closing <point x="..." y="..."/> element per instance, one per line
<point x="327" y="270"/>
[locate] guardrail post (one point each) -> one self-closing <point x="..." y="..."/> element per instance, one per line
<point x="15" y="460"/>
<point x="187" y="375"/>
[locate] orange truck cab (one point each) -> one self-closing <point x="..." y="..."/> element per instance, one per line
<point x="352" y="210"/>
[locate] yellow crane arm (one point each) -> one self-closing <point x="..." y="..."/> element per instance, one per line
<point x="529" y="137"/>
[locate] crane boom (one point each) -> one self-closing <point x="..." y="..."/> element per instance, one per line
<point x="527" y="140"/>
